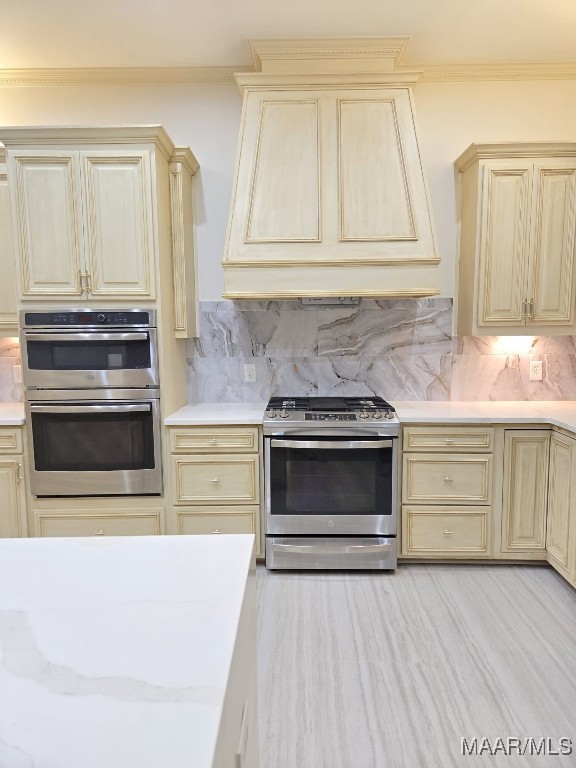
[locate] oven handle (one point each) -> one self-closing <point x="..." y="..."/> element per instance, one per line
<point x="88" y="408"/>
<point x="331" y="444"/>
<point x="86" y="336"/>
<point x="350" y="549"/>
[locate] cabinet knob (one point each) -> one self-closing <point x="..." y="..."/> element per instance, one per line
<point x="448" y="480"/>
<point x="213" y="441"/>
<point x="217" y="531"/>
<point x="447" y="532"/>
<point x="98" y="533"/>
<point x="215" y="480"/>
<point x="450" y="440"/>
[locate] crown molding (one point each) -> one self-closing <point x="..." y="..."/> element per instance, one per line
<point x="117" y="76"/>
<point x="423" y="73"/>
<point x="185" y="157"/>
<point x="514" y="149"/>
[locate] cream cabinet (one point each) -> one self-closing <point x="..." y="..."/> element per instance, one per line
<point x="8" y="315"/>
<point x="447" y="496"/>
<point x="561" y="520"/>
<point x="85" y="222"/>
<point x="517" y="270"/>
<point x="525" y="491"/>
<point x="330" y="197"/>
<point x="87" y="521"/>
<point x="215" y="480"/>
<point x="12" y="484"/>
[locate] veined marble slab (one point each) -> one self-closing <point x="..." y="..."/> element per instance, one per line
<point x="11" y="414"/>
<point x="119" y="652"/>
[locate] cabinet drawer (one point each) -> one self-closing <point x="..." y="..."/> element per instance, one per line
<point x="242" y="520"/>
<point x="437" y="532"/>
<point x="438" y="439"/>
<point x="10" y="440"/>
<point x="215" y="480"/>
<point x="447" y="479"/>
<point x="98" y="524"/>
<point x="214" y="440"/>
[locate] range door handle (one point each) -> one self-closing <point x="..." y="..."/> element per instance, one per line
<point x="86" y="336"/>
<point x="331" y="445"/>
<point x="346" y="549"/>
<point x="128" y="408"/>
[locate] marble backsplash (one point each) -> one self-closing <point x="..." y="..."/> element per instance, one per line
<point x="399" y="349"/>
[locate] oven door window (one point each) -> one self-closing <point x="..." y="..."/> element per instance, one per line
<point x="317" y="481"/>
<point x="89" y="355"/>
<point x="93" y="442"/>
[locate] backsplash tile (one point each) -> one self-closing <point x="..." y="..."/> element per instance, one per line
<point x="401" y="349"/>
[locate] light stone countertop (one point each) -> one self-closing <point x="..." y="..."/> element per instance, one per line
<point x="217" y="413"/>
<point x="11" y="414"/>
<point x="117" y="652"/>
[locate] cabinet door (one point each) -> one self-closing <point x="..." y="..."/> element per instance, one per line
<point x="45" y="192"/>
<point x="525" y="490"/>
<point x="504" y="243"/>
<point x="552" y="273"/>
<point x="561" y="518"/>
<point x="118" y="220"/>
<point x="12" y="497"/>
<point x="8" y="315"/>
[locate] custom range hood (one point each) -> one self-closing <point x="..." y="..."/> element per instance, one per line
<point x="329" y="197"/>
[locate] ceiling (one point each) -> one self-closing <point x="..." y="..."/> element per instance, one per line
<point x="207" y="33"/>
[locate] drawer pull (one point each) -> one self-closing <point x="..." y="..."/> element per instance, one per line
<point x="217" y="531"/>
<point x="213" y="441"/>
<point x="450" y="440"/>
<point x="215" y="480"/>
<point x="447" y="532"/>
<point x="98" y="533"/>
<point x="448" y="480"/>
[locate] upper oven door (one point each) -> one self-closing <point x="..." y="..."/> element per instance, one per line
<point x="86" y="358"/>
<point x="336" y="486"/>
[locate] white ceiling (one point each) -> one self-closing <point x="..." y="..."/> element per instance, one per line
<point x="189" y="33"/>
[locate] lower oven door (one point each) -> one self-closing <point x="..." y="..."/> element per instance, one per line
<point x="331" y="486"/>
<point x="100" y="443"/>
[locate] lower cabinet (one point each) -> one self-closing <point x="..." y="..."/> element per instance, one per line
<point x="460" y="531"/>
<point x="215" y="480"/>
<point x="561" y="519"/>
<point x="98" y="522"/>
<point x="12" y="497"/>
<point x="525" y="491"/>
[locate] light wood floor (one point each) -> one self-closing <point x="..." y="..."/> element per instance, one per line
<point x="391" y="670"/>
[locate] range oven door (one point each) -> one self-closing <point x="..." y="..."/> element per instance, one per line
<point x="87" y="358"/>
<point x="331" y="486"/>
<point x="94" y="443"/>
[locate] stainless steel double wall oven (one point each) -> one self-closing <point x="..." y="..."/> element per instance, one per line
<point x="92" y="401"/>
<point x="330" y="483"/>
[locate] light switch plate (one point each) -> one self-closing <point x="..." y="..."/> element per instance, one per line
<point x="535" y="370"/>
<point x="249" y="372"/>
<point x="17" y="374"/>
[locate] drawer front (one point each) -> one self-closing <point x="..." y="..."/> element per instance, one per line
<point x="442" y="478"/>
<point x="10" y="440"/>
<point x="216" y="480"/>
<point x="214" y="440"/>
<point x="193" y="522"/>
<point x="98" y="524"/>
<point x="433" y="532"/>
<point x="438" y="439"/>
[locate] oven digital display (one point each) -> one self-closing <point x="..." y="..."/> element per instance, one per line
<point x="330" y="417"/>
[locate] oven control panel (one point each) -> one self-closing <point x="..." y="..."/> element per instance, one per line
<point x="330" y="416"/>
<point x="83" y="317"/>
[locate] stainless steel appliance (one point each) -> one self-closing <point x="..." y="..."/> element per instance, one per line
<point x="331" y="467"/>
<point x="92" y="402"/>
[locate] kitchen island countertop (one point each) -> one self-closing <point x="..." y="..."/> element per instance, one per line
<point x="120" y="652"/>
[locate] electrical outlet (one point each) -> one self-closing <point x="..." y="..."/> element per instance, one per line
<point x="17" y="374"/>
<point x="249" y="372"/>
<point x="535" y="370"/>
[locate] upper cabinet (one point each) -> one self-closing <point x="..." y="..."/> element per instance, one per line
<point x="8" y="315"/>
<point x="104" y="213"/>
<point x="329" y="197"/>
<point x="517" y="265"/>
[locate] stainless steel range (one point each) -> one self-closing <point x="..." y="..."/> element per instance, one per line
<point x="331" y="468"/>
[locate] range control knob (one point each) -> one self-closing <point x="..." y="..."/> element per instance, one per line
<point x="101" y="318"/>
<point x="284" y="413"/>
<point x="271" y="414"/>
<point x="364" y="415"/>
<point x="376" y="415"/>
<point x="389" y="415"/>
